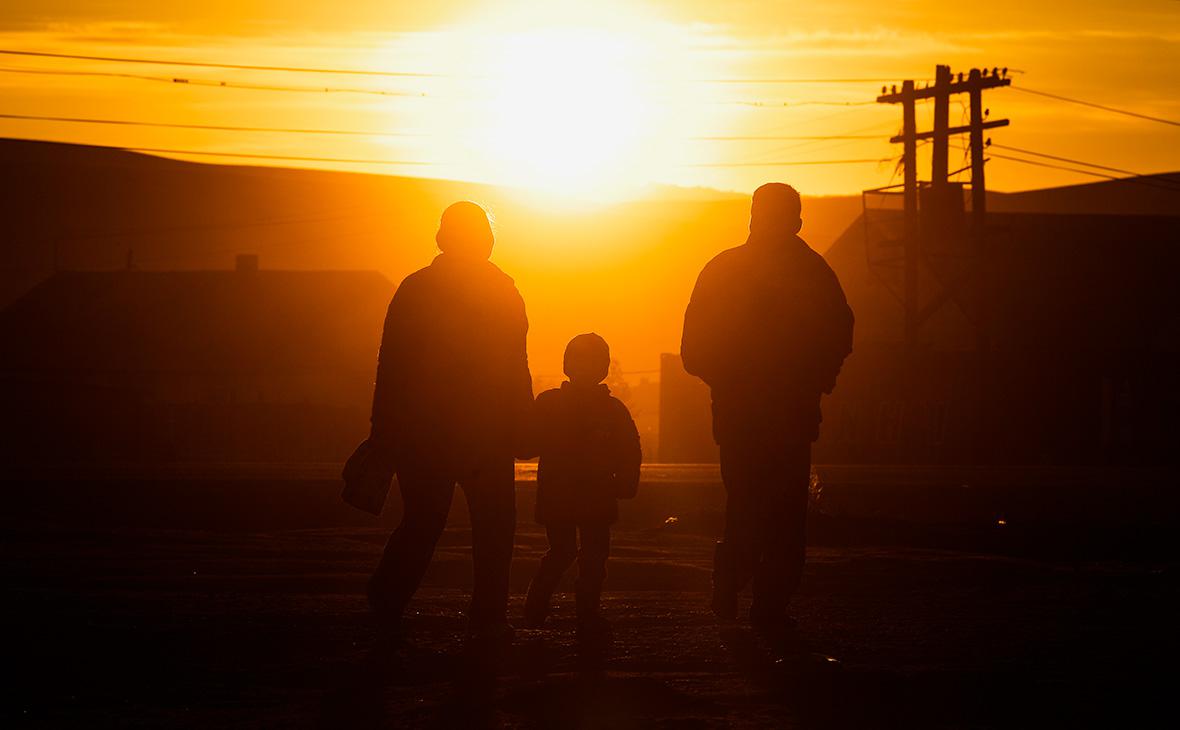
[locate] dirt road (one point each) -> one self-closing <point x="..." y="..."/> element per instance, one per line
<point x="181" y="628"/>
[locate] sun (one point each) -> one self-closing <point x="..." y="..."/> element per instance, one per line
<point x="566" y="111"/>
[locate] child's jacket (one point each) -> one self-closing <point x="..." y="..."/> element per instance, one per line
<point x="590" y="455"/>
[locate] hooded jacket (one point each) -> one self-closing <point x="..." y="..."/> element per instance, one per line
<point x="590" y="455"/>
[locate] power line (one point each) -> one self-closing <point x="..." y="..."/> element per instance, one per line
<point x="809" y="120"/>
<point x="361" y="133"/>
<point x="214" y="127"/>
<point x="261" y="156"/>
<point x="780" y="137"/>
<point x="817" y="102"/>
<point x="822" y="118"/>
<point x="770" y="155"/>
<point x="739" y="80"/>
<point x="248" y="155"/>
<point x="1103" y="107"/>
<point x="397" y="74"/>
<point x="1038" y="163"/>
<point x="371" y="161"/>
<point x="187" y="81"/>
<point x="848" y="134"/>
<point x="240" y="66"/>
<point x="1066" y="159"/>
<point x="1160" y="183"/>
<point x="784" y="163"/>
<point x="215" y="83"/>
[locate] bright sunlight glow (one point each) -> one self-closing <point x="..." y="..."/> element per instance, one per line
<point x="565" y="112"/>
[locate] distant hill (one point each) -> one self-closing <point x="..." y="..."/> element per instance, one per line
<point x="624" y="270"/>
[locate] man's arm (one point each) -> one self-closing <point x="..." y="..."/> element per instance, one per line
<point x="387" y="390"/>
<point x="699" y="348"/>
<point x="520" y="381"/>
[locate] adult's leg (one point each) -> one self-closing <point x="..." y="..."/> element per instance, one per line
<point x="563" y="550"/>
<point x="426" y="500"/>
<point x="592" y="557"/>
<point x="737" y="553"/>
<point x="783" y="531"/>
<point x="491" y="502"/>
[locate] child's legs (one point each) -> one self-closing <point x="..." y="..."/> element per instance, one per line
<point x="592" y="565"/>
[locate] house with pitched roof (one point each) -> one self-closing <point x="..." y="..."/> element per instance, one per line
<point x="244" y="365"/>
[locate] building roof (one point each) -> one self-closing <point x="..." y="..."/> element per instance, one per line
<point x="196" y="322"/>
<point x="1063" y="283"/>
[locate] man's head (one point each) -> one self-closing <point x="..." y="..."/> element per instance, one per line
<point x="587" y="359"/>
<point x="776" y="209"/>
<point x="465" y="231"/>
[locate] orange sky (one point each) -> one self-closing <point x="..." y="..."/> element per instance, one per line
<point x="598" y="99"/>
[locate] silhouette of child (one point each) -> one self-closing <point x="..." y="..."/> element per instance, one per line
<point x="590" y="456"/>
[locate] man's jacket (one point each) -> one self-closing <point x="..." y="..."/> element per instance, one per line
<point x="453" y="384"/>
<point x="768" y="329"/>
<point x="590" y="455"/>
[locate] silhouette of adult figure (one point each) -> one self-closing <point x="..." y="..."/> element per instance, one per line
<point x="453" y="388"/>
<point x="767" y="329"/>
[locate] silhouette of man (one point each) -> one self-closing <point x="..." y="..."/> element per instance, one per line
<point x="453" y="389"/>
<point x="767" y="329"/>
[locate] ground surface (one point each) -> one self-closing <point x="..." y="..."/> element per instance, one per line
<point x="184" y="628"/>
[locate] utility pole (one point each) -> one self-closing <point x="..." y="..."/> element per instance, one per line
<point x="978" y="190"/>
<point x="979" y="209"/>
<point x="909" y="162"/>
<point x="942" y="90"/>
<point x="939" y="152"/>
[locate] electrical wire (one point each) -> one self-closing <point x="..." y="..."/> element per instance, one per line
<point x="246" y="155"/>
<point x="1134" y="181"/>
<point x="214" y="127"/>
<point x="782" y="137"/>
<point x="1066" y="159"/>
<point x="1103" y="107"/>
<point x="188" y="81"/>
<point x="848" y="134"/>
<point x="261" y="156"/>
<point x="816" y="102"/>
<point x="422" y="74"/>
<point x="371" y="161"/>
<point x="1161" y="182"/>
<point x="739" y="80"/>
<point x="215" y="83"/>
<point x="210" y="64"/>
<point x="394" y="74"/>
<point x="785" y="163"/>
<point x="359" y="133"/>
<point x="813" y="120"/>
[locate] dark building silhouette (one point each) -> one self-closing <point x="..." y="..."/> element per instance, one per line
<point x="190" y="366"/>
<point x="1082" y="362"/>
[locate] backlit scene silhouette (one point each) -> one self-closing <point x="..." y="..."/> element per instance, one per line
<point x="590" y="365"/>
